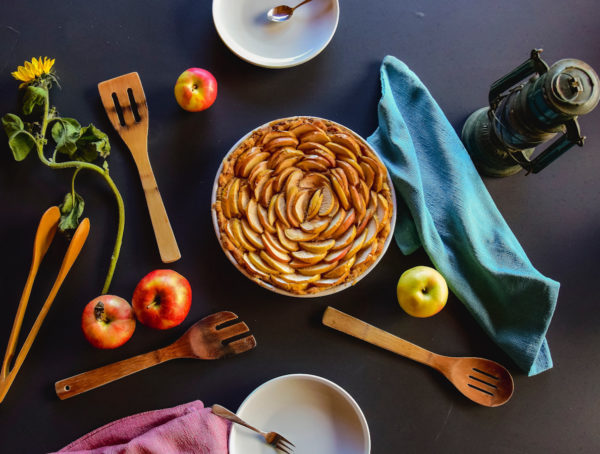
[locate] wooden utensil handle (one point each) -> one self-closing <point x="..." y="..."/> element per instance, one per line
<point x="350" y="325"/>
<point x="95" y="378"/>
<point x="165" y="238"/>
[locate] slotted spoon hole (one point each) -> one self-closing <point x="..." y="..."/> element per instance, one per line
<point x="118" y="109"/>
<point x="483" y="382"/>
<point x="237" y="337"/>
<point x="134" y="106"/>
<point x="480" y="389"/>
<point x="487" y="374"/>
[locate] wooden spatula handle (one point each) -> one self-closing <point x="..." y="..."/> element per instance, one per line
<point x="350" y="325"/>
<point x="95" y="378"/>
<point x="165" y="238"/>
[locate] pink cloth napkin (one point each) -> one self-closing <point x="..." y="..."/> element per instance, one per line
<point x="188" y="428"/>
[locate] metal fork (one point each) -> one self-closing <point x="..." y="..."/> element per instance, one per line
<point x="272" y="438"/>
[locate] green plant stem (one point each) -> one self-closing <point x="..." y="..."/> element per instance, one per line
<point x="78" y="165"/>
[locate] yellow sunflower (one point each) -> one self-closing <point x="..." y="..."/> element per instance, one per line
<point x="31" y="70"/>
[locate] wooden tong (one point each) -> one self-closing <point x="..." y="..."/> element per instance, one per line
<point x="43" y="238"/>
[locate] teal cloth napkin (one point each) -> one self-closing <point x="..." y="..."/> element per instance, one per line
<point x="444" y="206"/>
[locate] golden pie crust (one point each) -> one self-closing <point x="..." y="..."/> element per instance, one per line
<point x="304" y="205"/>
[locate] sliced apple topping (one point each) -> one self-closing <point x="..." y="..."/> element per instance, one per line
<point x="347" y="222"/>
<point x="260" y="264"/>
<point x="382" y="212"/>
<point x="340" y="150"/>
<point x="315" y="226"/>
<point x="300" y="203"/>
<point x="315" y="204"/>
<point x="280" y="209"/>
<point x="251" y="235"/>
<point x="252" y="216"/>
<point x="318" y="247"/>
<point x="256" y="171"/>
<point x="365" y="254"/>
<point x="282" y="178"/>
<point x="299" y="235"/>
<point x="253" y="268"/>
<point x="236" y="229"/>
<point x="346" y="238"/>
<point x="303" y="128"/>
<point x="369" y="174"/>
<point x="276" y="264"/>
<point x="335" y="224"/>
<point x="263" y="218"/>
<point x="316" y="270"/>
<point x="339" y="190"/>
<point x="308" y="257"/>
<point x="317" y="136"/>
<point x="336" y="255"/>
<point x="357" y="244"/>
<point x="244" y="198"/>
<point x="278" y="253"/>
<point x="371" y="231"/>
<point x="313" y="180"/>
<point x="341" y="269"/>
<point x="230" y="235"/>
<point x="312" y="165"/>
<point x="358" y="203"/>
<point x="274" y="135"/>
<point x="296" y="278"/>
<point x="280" y="142"/>
<point x="350" y="172"/>
<point x="327" y="202"/>
<point x="284" y="240"/>
<point x="346" y="141"/>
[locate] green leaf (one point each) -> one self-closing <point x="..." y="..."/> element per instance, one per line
<point x="12" y="123"/>
<point x="34" y="96"/>
<point x="92" y="143"/>
<point x="66" y="132"/>
<point x="70" y="211"/>
<point x="21" y="143"/>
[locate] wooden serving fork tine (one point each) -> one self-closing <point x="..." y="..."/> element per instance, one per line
<point x="125" y="104"/>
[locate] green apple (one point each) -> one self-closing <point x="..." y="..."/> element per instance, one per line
<point x="422" y="291"/>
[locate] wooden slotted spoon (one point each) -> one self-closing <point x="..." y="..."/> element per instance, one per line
<point x="125" y="104"/>
<point x="206" y="339"/>
<point x="481" y="380"/>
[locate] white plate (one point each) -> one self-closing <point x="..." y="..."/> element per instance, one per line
<point x="327" y="291"/>
<point x="315" y="414"/>
<point x="244" y="28"/>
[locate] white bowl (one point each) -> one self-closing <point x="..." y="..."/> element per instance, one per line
<point x="244" y="28"/>
<point x="327" y="291"/>
<point x="315" y="414"/>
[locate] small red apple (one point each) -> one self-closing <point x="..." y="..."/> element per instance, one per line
<point x="108" y="321"/>
<point x="162" y="299"/>
<point x="196" y="89"/>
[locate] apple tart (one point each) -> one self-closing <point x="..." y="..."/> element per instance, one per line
<point x="304" y="205"/>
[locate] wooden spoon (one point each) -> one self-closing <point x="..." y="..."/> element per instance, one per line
<point x="206" y="339"/>
<point x="481" y="380"/>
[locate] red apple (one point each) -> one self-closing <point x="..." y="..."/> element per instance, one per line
<point x="162" y="299"/>
<point x="108" y="321"/>
<point x="196" y="89"/>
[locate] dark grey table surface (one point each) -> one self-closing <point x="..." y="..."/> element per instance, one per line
<point x="457" y="48"/>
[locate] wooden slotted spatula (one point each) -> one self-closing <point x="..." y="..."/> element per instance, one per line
<point x="125" y="104"/>
<point x="206" y="339"/>
<point x="481" y="380"/>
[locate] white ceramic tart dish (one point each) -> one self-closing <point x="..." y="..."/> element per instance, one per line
<point x="315" y="414"/>
<point x="244" y="28"/>
<point x="303" y="206"/>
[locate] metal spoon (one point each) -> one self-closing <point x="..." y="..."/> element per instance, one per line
<point x="282" y="13"/>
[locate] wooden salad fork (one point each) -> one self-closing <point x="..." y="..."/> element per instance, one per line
<point x="272" y="438"/>
<point x="43" y="239"/>
<point x="217" y="336"/>
<point x="125" y="104"/>
<point x="481" y="380"/>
